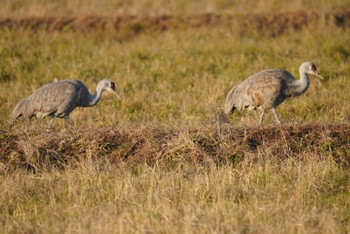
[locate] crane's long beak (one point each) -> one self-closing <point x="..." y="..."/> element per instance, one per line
<point x="318" y="75"/>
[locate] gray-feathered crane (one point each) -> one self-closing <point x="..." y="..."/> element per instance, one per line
<point x="267" y="89"/>
<point x="60" y="98"/>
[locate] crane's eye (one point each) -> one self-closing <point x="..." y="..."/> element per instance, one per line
<point x="112" y="86"/>
<point x="313" y="67"/>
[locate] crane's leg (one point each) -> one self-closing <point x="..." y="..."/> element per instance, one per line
<point x="51" y="124"/>
<point x="276" y="117"/>
<point x="261" y="117"/>
<point x="68" y="121"/>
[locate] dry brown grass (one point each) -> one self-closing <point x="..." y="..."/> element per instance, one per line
<point x="18" y="8"/>
<point x="212" y="180"/>
<point x="220" y="144"/>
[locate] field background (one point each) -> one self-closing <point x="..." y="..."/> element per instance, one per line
<point x="162" y="159"/>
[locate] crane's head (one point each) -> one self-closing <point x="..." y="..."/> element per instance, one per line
<point x="310" y="68"/>
<point x="109" y="86"/>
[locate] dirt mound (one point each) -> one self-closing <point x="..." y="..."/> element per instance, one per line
<point x="275" y="25"/>
<point x="42" y="150"/>
<point x="272" y="25"/>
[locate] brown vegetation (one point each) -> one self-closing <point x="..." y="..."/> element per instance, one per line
<point x="42" y="150"/>
<point x="273" y="25"/>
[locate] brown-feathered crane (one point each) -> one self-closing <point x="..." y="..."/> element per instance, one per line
<point x="59" y="99"/>
<point x="268" y="89"/>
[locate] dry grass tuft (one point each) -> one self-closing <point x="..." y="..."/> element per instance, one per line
<point x="218" y="145"/>
<point x="267" y="24"/>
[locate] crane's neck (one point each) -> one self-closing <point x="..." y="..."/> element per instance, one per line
<point x="95" y="98"/>
<point x="298" y="87"/>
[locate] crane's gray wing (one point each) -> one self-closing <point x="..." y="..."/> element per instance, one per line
<point x="261" y="89"/>
<point x="58" y="98"/>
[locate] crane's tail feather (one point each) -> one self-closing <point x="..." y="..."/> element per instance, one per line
<point x="230" y="104"/>
<point x="23" y="108"/>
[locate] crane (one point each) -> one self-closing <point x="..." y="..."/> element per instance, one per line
<point x="60" y="98"/>
<point x="269" y="88"/>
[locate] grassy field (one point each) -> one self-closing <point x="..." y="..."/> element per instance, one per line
<point x="160" y="160"/>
